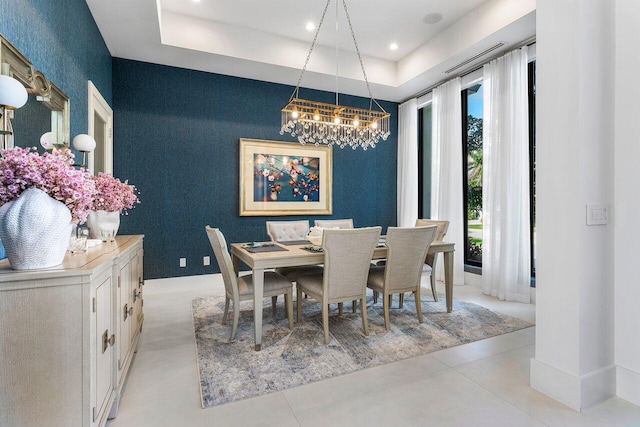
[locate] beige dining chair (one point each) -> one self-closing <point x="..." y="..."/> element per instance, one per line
<point x="343" y="224"/>
<point x="287" y="231"/>
<point x="406" y="251"/>
<point x="291" y="231"/>
<point x="339" y="223"/>
<point x="240" y="288"/>
<point x="347" y="256"/>
<point x="430" y="260"/>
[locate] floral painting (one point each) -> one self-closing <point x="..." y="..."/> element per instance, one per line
<point x="282" y="178"/>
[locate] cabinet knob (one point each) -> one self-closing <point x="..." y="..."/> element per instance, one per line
<point x="136" y="295"/>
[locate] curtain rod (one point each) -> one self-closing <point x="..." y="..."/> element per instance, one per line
<point x="470" y="70"/>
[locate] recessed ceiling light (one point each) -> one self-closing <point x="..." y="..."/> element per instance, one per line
<point x="432" y="18"/>
<point x="393" y="46"/>
<point x="310" y="26"/>
<point x="196" y="1"/>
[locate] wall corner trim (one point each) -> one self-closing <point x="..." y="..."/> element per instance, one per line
<point x="628" y="385"/>
<point x="578" y="393"/>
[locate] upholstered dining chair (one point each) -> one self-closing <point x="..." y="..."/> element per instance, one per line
<point x="343" y="224"/>
<point x="430" y="260"/>
<point x="240" y="288"/>
<point x="347" y="256"/>
<point x="287" y="231"/>
<point x="336" y="223"/>
<point x="406" y="251"/>
<point x="291" y="231"/>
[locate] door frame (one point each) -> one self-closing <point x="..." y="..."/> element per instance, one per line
<point x="98" y="105"/>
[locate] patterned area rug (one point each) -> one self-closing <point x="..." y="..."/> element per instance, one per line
<point x="233" y="371"/>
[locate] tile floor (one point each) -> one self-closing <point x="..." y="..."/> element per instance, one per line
<point x="485" y="383"/>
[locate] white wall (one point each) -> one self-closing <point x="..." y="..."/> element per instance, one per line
<point x="627" y="201"/>
<point x="575" y="135"/>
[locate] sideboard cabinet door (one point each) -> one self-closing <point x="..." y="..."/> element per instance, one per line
<point x="104" y="338"/>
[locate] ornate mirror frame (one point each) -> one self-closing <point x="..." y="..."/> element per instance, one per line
<point x="14" y="63"/>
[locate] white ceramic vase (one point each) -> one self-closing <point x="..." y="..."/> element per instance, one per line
<point x="35" y="230"/>
<point x="103" y="225"/>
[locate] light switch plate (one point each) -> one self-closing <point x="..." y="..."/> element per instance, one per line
<point x="597" y="214"/>
<point x="183" y="262"/>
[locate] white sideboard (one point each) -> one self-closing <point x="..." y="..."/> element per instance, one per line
<point x="68" y="334"/>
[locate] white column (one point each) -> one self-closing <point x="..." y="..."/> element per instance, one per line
<point x="627" y="200"/>
<point x="574" y="360"/>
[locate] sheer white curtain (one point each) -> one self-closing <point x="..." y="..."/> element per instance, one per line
<point x="506" y="257"/>
<point x="408" y="163"/>
<point x="446" y="172"/>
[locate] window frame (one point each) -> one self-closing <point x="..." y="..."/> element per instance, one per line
<point x="471" y="266"/>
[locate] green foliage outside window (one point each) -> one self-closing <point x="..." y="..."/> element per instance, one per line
<point x="474" y="167"/>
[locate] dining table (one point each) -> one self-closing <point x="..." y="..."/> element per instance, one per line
<point x="261" y="256"/>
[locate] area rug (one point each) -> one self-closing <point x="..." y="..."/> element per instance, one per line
<point x="233" y="371"/>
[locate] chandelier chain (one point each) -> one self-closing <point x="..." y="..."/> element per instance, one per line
<point x="355" y="43"/>
<point x="313" y="43"/>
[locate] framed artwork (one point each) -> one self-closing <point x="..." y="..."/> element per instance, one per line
<point x="284" y="178"/>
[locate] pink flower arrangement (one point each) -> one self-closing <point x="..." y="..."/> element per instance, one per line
<point x="113" y="195"/>
<point x="24" y="168"/>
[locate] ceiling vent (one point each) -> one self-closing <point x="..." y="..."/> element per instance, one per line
<point x="475" y="57"/>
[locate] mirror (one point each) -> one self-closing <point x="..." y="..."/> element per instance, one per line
<point x="47" y="108"/>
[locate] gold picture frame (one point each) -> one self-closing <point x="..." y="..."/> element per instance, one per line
<point x="283" y="178"/>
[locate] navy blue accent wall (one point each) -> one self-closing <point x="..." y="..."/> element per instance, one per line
<point x="62" y="40"/>
<point x="177" y="137"/>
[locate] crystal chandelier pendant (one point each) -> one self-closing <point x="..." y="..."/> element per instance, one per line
<point x="313" y="122"/>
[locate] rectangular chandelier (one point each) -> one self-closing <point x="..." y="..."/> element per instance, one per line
<point x="317" y="123"/>
<point x="313" y="122"/>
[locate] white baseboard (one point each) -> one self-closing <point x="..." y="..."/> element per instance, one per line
<point x="578" y="393"/>
<point x="628" y="385"/>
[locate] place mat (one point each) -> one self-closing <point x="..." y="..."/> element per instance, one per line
<point x="314" y="249"/>
<point x="270" y="248"/>
<point x="295" y="242"/>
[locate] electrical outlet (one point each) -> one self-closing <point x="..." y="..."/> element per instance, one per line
<point x="183" y="262"/>
<point x="206" y="260"/>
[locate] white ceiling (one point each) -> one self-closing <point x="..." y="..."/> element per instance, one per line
<point x="267" y="40"/>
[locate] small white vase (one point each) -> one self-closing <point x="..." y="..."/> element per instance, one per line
<point x="103" y="225"/>
<point x="35" y="230"/>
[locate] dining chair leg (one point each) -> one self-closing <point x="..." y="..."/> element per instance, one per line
<point x="226" y="310"/>
<point x="274" y="302"/>
<point x="339" y="309"/>
<point x="363" y="311"/>
<point x="353" y="305"/>
<point x="433" y="287"/>
<point x="236" y="318"/>
<point x="298" y="305"/>
<point x="386" y="302"/>
<point x="418" y="304"/>
<point x="325" y="322"/>
<point x="375" y="297"/>
<point x="401" y="300"/>
<point x="390" y="300"/>
<point x="288" y="301"/>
